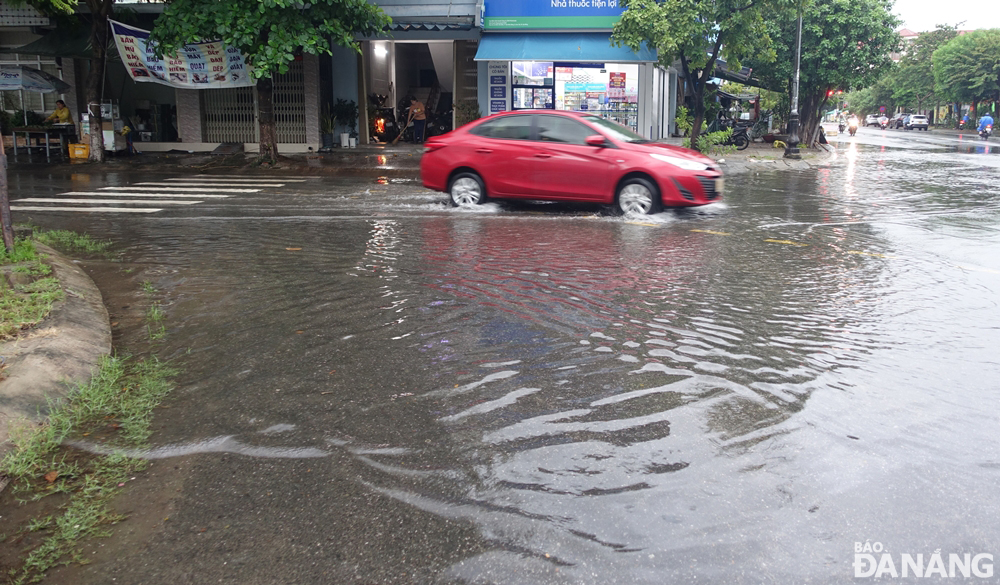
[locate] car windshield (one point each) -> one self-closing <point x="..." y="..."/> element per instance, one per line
<point x="615" y="130"/>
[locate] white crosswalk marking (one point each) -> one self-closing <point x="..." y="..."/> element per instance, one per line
<point x="119" y="201"/>
<point x="107" y="209"/>
<point x="242" y="178"/>
<point x="172" y="188"/>
<point x="139" y="198"/>
<point x="194" y="183"/>
<point x="134" y="194"/>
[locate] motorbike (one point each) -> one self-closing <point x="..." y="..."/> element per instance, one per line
<point x="440" y="122"/>
<point x="384" y="127"/>
<point x="739" y="138"/>
<point x="986" y="132"/>
<point x="883" y="124"/>
<point x="961" y="124"/>
<point x="840" y="127"/>
<point x="853" y="129"/>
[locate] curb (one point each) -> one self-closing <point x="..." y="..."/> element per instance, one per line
<point x="59" y="353"/>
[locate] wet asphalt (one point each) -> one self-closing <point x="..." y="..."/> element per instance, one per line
<point x="378" y="388"/>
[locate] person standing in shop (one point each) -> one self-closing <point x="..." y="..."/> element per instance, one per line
<point x="419" y="114"/>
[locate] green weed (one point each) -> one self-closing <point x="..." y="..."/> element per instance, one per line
<point x="116" y="404"/>
<point x="25" y="305"/>
<point x="73" y="243"/>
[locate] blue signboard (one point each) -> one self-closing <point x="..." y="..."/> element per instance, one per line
<point x="551" y="14"/>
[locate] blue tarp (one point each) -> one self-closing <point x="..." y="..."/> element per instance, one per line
<point x="577" y="47"/>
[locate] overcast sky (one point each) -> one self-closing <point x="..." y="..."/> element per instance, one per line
<point x="924" y="15"/>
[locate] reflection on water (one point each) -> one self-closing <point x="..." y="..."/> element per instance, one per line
<point x="728" y="397"/>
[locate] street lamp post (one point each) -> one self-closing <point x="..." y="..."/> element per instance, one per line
<point x="792" y="147"/>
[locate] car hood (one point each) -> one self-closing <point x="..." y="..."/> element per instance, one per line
<point x="672" y="150"/>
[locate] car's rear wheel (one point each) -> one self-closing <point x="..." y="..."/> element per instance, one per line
<point x="638" y="196"/>
<point x="466" y="189"/>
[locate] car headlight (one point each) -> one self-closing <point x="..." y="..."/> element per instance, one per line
<point x="684" y="163"/>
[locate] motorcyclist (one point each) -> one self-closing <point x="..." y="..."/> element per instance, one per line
<point x="852" y="124"/>
<point x="985" y="121"/>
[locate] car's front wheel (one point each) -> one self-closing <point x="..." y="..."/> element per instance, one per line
<point x="466" y="189"/>
<point x="638" y="196"/>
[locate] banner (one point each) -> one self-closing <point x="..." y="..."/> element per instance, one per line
<point x="195" y="66"/>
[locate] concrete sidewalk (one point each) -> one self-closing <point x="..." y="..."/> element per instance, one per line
<point x="375" y="160"/>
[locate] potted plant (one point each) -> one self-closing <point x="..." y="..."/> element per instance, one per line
<point x="326" y="127"/>
<point x="345" y="112"/>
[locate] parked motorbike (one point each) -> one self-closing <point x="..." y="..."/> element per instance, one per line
<point x="384" y="127"/>
<point x="440" y="123"/>
<point x="739" y="138"/>
<point x="986" y="132"/>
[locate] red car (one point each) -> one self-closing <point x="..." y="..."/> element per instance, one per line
<point x="566" y="156"/>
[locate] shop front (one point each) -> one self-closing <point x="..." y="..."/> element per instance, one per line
<point x="559" y="56"/>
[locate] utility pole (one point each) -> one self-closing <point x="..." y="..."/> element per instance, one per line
<point x="792" y="148"/>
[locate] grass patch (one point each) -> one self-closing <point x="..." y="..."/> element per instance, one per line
<point x="154" y="325"/>
<point x="73" y="243"/>
<point x="27" y="289"/>
<point x="112" y="410"/>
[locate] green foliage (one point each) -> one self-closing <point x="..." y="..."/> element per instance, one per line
<point x="48" y="7"/>
<point x="698" y="33"/>
<point x="713" y="142"/>
<point x="912" y="82"/>
<point x="118" y="401"/>
<point x="967" y="68"/>
<point x="683" y="121"/>
<point x="846" y="44"/>
<point x="326" y="120"/>
<point x="465" y="112"/>
<point x="345" y="112"/>
<point x="73" y="243"/>
<point x="269" y="33"/>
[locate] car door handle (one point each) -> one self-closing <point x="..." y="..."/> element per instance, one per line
<point x="542" y="155"/>
<point x="484" y="151"/>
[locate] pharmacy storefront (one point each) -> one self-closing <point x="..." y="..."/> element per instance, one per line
<point x="558" y="55"/>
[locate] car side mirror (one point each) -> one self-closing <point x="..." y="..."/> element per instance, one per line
<point x="596" y="140"/>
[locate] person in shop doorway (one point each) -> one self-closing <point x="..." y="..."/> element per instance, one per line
<point x="419" y="114"/>
<point x="62" y="114"/>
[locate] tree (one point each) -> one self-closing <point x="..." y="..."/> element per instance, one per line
<point x="100" y="12"/>
<point x="269" y="33"/>
<point x="914" y="81"/>
<point x="967" y="68"/>
<point x="845" y="44"/>
<point x="698" y="33"/>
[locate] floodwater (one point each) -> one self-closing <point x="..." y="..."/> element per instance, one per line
<point x="377" y="388"/>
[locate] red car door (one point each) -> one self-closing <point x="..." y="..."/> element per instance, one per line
<point x="564" y="166"/>
<point x="500" y="150"/>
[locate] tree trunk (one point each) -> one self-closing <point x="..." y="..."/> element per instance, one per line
<point x="100" y="11"/>
<point x="268" y="128"/>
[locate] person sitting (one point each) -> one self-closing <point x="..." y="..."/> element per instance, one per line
<point x="62" y="114"/>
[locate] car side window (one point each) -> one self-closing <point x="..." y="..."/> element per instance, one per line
<point x="506" y="127"/>
<point x="563" y="129"/>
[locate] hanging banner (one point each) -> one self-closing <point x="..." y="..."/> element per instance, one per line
<point x="196" y="66"/>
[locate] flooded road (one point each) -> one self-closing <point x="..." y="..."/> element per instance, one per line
<point x="377" y="388"/>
